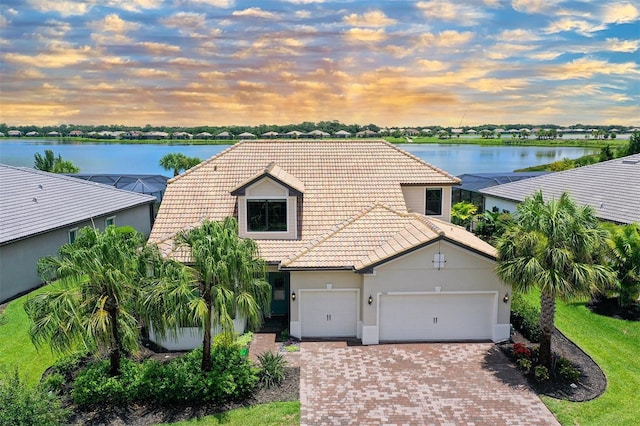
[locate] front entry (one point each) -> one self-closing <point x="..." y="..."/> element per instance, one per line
<point x="279" y="282"/>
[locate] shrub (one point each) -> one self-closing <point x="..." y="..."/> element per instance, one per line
<point x="94" y="385"/>
<point x="271" y="368"/>
<point x="541" y="373"/>
<point x="524" y="364"/>
<point x="177" y="381"/>
<point x="566" y="371"/>
<point x="54" y="382"/>
<point x="22" y="405"/>
<point x="525" y="317"/>
<point x="521" y="351"/>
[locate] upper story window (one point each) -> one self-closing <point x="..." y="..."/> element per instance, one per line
<point x="109" y="221"/>
<point x="266" y="215"/>
<point x="434" y="202"/>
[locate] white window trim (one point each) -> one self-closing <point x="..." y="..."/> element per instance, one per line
<point x="268" y="198"/>
<point x="110" y="218"/>
<point x="427" y="189"/>
<point x="73" y="231"/>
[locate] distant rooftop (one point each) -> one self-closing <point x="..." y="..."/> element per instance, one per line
<point x="612" y="188"/>
<point x="143" y="184"/>
<point x="33" y="202"/>
<point x="474" y="182"/>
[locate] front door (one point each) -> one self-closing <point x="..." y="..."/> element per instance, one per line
<point x="279" y="282"/>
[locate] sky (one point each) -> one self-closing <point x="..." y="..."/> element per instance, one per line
<point x="391" y="63"/>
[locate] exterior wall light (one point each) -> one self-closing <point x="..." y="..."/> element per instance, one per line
<point x="370" y="300"/>
<point x="505" y="299"/>
<point x="293" y="296"/>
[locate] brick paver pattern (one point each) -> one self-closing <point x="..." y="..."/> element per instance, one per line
<point x="414" y="384"/>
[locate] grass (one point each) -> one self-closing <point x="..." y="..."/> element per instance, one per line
<point x="274" y="414"/>
<point x="16" y="349"/>
<point x="615" y="345"/>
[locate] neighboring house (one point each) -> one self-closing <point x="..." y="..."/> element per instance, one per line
<point x="356" y="236"/>
<point x="143" y="184"/>
<point x="612" y="188"/>
<point x="342" y="134"/>
<point x="246" y="135"/>
<point x="41" y="211"/>
<point x="14" y="133"/>
<point x="472" y="183"/>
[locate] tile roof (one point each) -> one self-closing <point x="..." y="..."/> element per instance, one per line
<point x="33" y="202"/>
<point x="352" y="245"/>
<point x="612" y="188"/>
<point x="340" y="179"/>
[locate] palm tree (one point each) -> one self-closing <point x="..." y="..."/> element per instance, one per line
<point x="53" y="164"/>
<point x="555" y="247"/>
<point x="178" y="162"/>
<point x="624" y="242"/>
<point x="90" y="302"/>
<point x="225" y="279"/>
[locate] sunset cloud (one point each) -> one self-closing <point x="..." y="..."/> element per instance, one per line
<point x="224" y="62"/>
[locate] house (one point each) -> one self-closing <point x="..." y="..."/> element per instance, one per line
<point x="317" y="134"/>
<point x="472" y="183"/>
<point x="342" y="134"/>
<point x="270" y="134"/>
<point x="357" y="237"/>
<point x="182" y="135"/>
<point x="246" y="135"/>
<point x="207" y="135"/>
<point x="294" y="134"/>
<point x="612" y="188"/>
<point x="41" y="211"/>
<point x="366" y="134"/>
<point x="76" y="133"/>
<point x="14" y="133"/>
<point x="143" y="184"/>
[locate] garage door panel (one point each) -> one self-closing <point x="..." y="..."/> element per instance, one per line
<point x="329" y="313"/>
<point x="436" y="317"/>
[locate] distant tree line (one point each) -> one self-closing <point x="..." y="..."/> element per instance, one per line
<point x="307" y="126"/>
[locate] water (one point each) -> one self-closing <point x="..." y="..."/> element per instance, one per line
<point x="144" y="158"/>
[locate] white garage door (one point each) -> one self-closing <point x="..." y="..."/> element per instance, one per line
<point x="329" y="313"/>
<point x="437" y="316"/>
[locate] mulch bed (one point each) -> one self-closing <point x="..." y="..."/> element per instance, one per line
<point x="591" y="384"/>
<point x="144" y="415"/>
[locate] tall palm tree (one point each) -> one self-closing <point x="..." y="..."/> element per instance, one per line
<point x="556" y="247"/>
<point x="89" y="304"/>
<point x="624" y="242"/>
<point x="226" y="278"/>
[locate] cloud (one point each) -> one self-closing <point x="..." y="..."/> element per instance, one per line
<point x="432" y="66"/>
<point x="616" y="45"/>
<point x="159" y="48"/>
<point x="114" y="24"/>
<point x="568" y="24"/>
<point x="620" y="13"/>
<point x="185" y="20"/>
<point x="586" y="68"/>
<point x="254" y="12"/>
<point x="374" y="18"/>
<point x="135" y="5"/>
<point x="519" y="34"/>
<point x="365" y="35"/>
<point x="443" y="10"/>
<point x="223" y="4"/>
<point x="534" y="6"/>
<point x="63" y="7"/>
<point x="57" y="56"/>
<point x="447" y="38"/>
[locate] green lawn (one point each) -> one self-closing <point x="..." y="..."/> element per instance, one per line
<point x="16" y="349"/>
<point x="275" y="414"/>
<point x="615" y="345"/>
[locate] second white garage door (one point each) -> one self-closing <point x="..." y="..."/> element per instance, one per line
<point x="329" y="313"/>
<point x="460" y="316"/>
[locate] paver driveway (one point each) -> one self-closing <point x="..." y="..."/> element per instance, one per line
<point x="414" y="384"/>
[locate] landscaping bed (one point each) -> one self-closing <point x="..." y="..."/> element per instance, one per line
<point x="143" y="415"/>
<point x="589" y="385"/>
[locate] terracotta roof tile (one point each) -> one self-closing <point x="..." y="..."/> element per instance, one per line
<point x="340" y="179"/>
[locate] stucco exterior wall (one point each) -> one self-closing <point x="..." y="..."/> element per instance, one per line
<point x="18" y="260"/>
<point x="266" y="188"/>
<point x="415" y="200"/>
<point x="493" y="202"/>
<point x="463" y="271"/>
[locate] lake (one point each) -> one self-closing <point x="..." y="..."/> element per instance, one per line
<point x="143" y="158"/>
